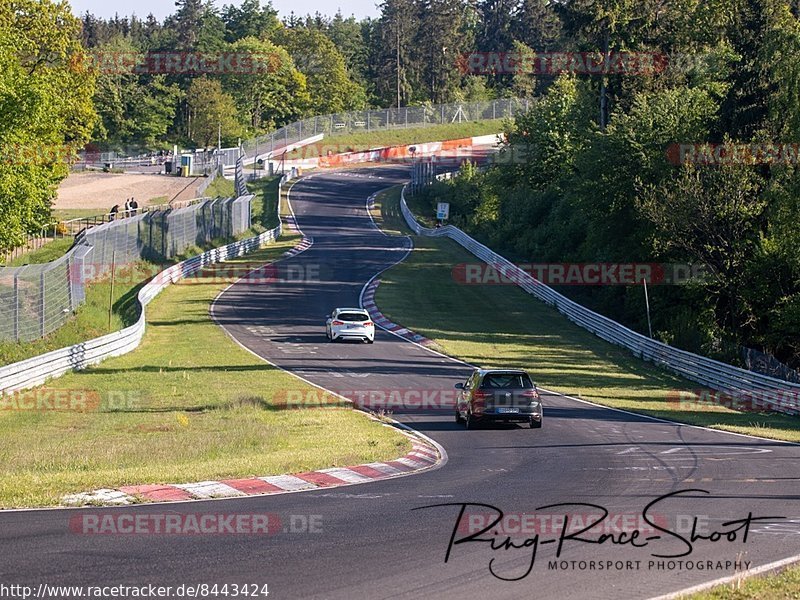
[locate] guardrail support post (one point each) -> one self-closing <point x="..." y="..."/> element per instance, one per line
<point x="16" y="305"/>
<point x="42" y="303"/>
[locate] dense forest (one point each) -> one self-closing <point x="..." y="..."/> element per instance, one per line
<point x="410" y="55"/>
<point x="589" y="175"/>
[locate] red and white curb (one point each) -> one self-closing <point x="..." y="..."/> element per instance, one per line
<point x="423" y="456"/>
<point x="379" y="319"/>
<point x="302" y="246"/>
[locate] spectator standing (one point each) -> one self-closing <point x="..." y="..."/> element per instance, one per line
<point x="114" y="211"/>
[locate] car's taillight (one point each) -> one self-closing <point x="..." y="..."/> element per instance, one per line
<point x="338" y="323"/>
<point x="531" y="394"/>
<point x="478" y="400"/>
<point x="369" y="324"/>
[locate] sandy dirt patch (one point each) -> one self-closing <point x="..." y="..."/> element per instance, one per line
<point x="104" y="190"/>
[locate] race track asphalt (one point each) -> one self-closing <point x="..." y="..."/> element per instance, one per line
<point x="374" y="540"/>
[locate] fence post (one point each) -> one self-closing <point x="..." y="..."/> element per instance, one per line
<point x="406" y="117"/>
<point x="164" y="225"/>
<point x="70" y="297"/>
<point x="16" y="304"/>
<point x="42" y="302"/>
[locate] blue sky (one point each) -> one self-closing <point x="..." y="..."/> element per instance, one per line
<point x="162" y="8"/>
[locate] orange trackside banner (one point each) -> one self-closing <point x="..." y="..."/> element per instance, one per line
<point x="455" y="144"/>
<point x="400" y="153"/>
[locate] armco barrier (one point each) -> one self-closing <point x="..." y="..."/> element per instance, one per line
<point x="776" y="394"/>
<point x="35" y="371"/>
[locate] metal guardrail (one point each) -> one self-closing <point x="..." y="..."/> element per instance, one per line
<point x="72" y="227"/>
<point x="38" y="369"/>
<point x="773" y="394"/>
<point x="37" y="299"/>
<point x="383" y="119"/>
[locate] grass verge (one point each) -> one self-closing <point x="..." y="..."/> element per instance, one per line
<point x="67" y="214"/>
<point x="356" y="142"/>
<point x="264" y="207"/>
<point x="220" y="188"/>
<point x="50" y="251"/>
<point x="785" y="584"/>
<point x="502" y="326"/>
<point x="91" y="318"/>
<point x="187" y="405"/>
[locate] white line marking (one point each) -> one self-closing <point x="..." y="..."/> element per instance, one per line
<point x="209" y="489"/>
<point x="347" y="475"/>
<point x="384" y="468"/>
<point x="289" y="483"/>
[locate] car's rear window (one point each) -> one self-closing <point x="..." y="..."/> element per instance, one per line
<point x="353" y="317"/>
<point x="507" y="381"/>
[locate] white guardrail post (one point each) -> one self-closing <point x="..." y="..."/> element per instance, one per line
<point x="38" y="369"/>
<point x="763" y="391"/>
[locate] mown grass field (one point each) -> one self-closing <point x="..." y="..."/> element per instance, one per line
<point x="49" y="251"/>
<point x="502" y="326"/>
<point x="187" y="405"/>
<point x="91" y="318"/>
<point x="780" y="586"/>
<point x="220" y="187"/>
<point x="354" y="142"/>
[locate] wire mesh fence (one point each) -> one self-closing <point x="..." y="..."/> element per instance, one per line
<point x="382" y="119"/>
<point x="35" y="300"/>
<point x="239" y="178"/>
<point x="766" y="364"/>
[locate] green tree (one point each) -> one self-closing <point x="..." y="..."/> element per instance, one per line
<point x="443" y="36"/>
<point x="211" y="112"/>
<point x="271" y="95"/>
<point x="134" y="108"/>
<point x="329" y="84"/>
<point x="392" y="52"/>
<point x="714" y="216"/>
<point x="45" y="109"/>
<point x="538" y="25"/>
<point x="250" y="20"/>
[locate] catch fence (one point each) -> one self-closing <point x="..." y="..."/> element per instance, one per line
<point x="35" y="300"/>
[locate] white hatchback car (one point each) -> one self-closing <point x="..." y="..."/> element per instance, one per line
<point x="350" y="324"/>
